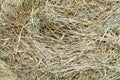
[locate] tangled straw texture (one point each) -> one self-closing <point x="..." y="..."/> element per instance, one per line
<point x="61" y="39"/>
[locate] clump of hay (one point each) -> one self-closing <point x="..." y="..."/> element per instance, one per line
<point x="61" y="39"/>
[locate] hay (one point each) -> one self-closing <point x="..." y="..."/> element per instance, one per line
<point x="61" y="39"/>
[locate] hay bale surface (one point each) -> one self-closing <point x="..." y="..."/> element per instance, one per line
<point x="60" y="39"/>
